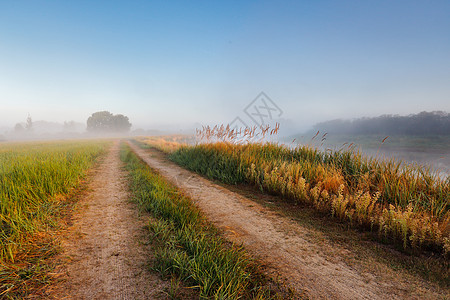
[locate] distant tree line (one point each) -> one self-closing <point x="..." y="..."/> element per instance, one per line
<point x="424" y="123"/>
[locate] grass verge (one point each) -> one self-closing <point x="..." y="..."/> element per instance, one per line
<point x="187" y="246"/>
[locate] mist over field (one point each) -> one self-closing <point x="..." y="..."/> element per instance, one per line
<point x="174" y="67"/>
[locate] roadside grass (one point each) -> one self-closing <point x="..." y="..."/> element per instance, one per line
<point x="37" y="183"/>
<point x="404" y="204"/>
<point x="190" y="248"/>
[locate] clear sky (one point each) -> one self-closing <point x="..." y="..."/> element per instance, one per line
<point x="184" y="62"/>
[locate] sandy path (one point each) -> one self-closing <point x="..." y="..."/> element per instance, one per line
<point x="284" y="245"/>
<point x="104" y="245"/>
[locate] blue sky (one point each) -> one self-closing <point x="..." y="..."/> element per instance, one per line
<point x="179" y="62"/>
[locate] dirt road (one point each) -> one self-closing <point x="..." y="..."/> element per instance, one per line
<point x="107" y="259"/>
<point x="287" y="247"/>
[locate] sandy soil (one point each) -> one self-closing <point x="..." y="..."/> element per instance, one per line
<point x="288" y="248"/>
<point x="107" y="259"/>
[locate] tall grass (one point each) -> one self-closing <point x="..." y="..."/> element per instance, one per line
<point x="33" y="178"/>
<point x="188" y="246"/>
<point x="407" y="203"/>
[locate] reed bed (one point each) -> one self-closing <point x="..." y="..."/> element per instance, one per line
<point x="227" y="134"/>
<point x="34" y="177"/>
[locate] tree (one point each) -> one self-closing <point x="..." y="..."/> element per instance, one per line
<point x="19" y="128"/>
<point x="104" y="121"/>
<point x="29" y="124"/>
<point x="121" y="123"/>
<point x="69" y="126"/>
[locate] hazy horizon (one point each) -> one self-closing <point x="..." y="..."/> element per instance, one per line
<point x="179" y="64"/>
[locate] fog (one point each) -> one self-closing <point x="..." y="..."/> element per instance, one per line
<point x="418" y="139"/>
<point x="173" y="67"/>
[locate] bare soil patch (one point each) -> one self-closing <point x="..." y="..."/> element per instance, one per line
<point x="105" y="249"/>
<point x="290" y="250"/>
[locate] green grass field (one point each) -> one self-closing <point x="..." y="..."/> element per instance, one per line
<point x="34" y="181"/>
